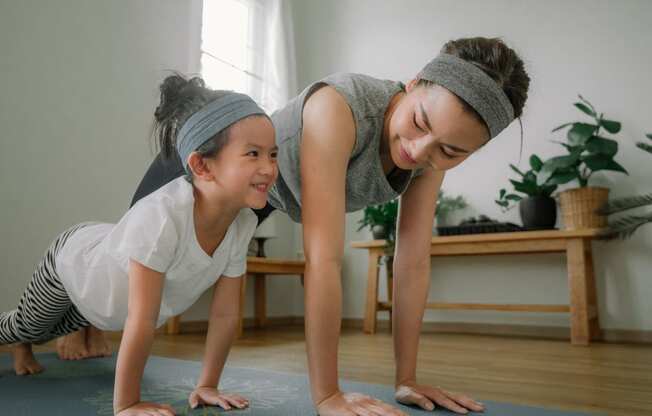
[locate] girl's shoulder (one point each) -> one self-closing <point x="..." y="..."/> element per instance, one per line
<point x="246" y="222"/>
<point x="170" y="206"/>
<point x="175" y="196"/>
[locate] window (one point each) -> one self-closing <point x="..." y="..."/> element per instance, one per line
<point x="231" y="45"/>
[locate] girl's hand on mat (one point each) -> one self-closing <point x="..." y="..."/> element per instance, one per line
<point x="423" y="396"/>
<point x="144" y="408"/>
<point x="355" y="404"/>
<point x="212" y="397"/>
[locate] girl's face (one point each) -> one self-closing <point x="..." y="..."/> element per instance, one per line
<point x="431" y="128"/>
<point x="246" y="167"/>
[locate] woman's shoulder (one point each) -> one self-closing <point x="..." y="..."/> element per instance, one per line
<point x="362" y="89"/>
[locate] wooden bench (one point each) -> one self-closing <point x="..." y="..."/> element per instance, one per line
<point x="258" y="268"/>
<point x="576" y="244"/>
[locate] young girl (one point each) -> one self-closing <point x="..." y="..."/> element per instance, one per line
<point x="165" y="251"/>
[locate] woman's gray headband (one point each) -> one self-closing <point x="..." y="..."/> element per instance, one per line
<point x="474" y="86"/>
<point x="212" y="119"/>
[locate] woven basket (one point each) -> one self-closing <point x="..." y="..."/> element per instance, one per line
<point x="579" y="205"/>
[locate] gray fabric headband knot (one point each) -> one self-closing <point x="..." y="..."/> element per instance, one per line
<point x="211" y="119"/>
<point x="474" y="86"/>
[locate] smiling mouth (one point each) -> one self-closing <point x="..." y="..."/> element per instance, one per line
<point x="406" y="156"/>
<point x="261" y="187"/>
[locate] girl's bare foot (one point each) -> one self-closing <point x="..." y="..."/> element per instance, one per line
<point x="96" y="343"/>
<point x="24" y="361"/>
<point x="73" y="346"/>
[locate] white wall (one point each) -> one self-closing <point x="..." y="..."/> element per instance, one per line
<point x="78" y="89"/>
<point x="600" y="49"/>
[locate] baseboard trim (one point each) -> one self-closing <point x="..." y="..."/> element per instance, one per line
<point x="473" y="328"/>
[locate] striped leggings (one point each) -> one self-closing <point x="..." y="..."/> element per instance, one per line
<point x="45" y="310"/>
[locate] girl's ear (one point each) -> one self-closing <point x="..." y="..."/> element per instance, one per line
<point x="411" y="85"/>
<point x="199" y="167"/>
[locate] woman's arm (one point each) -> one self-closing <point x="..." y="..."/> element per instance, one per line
<point x="411" y="287"/>
<point x="222" y="329"/>
<point x="326" y="145"/>
<point x="144" y="304"/>
<point x="412" y="268"/>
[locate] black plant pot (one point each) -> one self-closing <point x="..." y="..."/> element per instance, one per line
<point x="538" y="212"/>
<point x="379" y="232"/>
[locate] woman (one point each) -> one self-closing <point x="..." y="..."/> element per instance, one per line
<point x="349" y="141"/>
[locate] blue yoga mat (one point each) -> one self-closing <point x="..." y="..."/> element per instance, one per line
<point x="85" y="387"/>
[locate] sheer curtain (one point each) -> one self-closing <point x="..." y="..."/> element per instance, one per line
<point x="248" y="46"/>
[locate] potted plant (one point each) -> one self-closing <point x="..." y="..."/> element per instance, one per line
<point x="537" y="208"/>
<point x="381" y="219"/>
<point x="588" y="152"/>
<point x="446" y="205"/>
<point x="625" y="226"/>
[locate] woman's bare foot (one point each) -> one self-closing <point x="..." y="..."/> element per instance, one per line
<point x="24" y="361"/>
<point x="73" y="346"/>
<point x="96" y="343"/>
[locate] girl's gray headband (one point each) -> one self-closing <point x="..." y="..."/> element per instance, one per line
<point x="474" y="86"/>
<point x="211" y="119"/>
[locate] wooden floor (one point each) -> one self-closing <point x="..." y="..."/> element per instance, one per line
<point x="615" y="379"/>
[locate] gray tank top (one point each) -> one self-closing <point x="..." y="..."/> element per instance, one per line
<point x="366" y="183"/>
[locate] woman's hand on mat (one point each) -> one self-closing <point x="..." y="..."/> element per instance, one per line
<point x="144" y="408"/>
<point x="423" y="396"/>
<point x="355" y="404"/>
<point x="213" y="397"/>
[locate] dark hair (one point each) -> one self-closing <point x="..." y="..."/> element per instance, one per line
<point x="498" y="61"/>
<point x="182" y="97"/>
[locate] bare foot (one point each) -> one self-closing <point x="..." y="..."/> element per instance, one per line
<point x="24" y="361"/>
<point x="96" y="343"/>
<point x="73" y="346"/>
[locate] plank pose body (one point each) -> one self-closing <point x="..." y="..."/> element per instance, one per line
<point x="187" y="236"/>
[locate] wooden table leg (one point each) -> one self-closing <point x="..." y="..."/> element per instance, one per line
<point x="371" y="308"/>
<point x="173" y="325"/>
<point x="260" y="301"/>
<point x="389" y="266"/>
<point x="595" y="333"/>
<point x="576" y="258"/>
<point x="243" y="292"/>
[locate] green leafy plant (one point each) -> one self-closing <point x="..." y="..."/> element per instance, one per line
<point x="625" y="226"/>
<point x="527" y="186"/>
<point x="588" y="150"/>
<point x="448" y="204"/>
<point x="384" y="215"/>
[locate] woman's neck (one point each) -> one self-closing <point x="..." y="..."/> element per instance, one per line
<point x="384" y="148"/>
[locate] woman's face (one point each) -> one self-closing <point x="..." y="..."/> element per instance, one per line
<point x="431" y="128"/>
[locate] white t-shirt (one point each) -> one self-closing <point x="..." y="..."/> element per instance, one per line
<point x="158" y="232"/>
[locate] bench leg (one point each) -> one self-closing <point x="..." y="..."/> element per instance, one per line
<point x="595" y="333"/>
<point x="579" y="288"/>
<point x="371" y="308"/>
<point x="173" y="325"/>
<point x="389" y="264"/>
<point x="261" y="299"/>
<point x="243" y="292"/>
